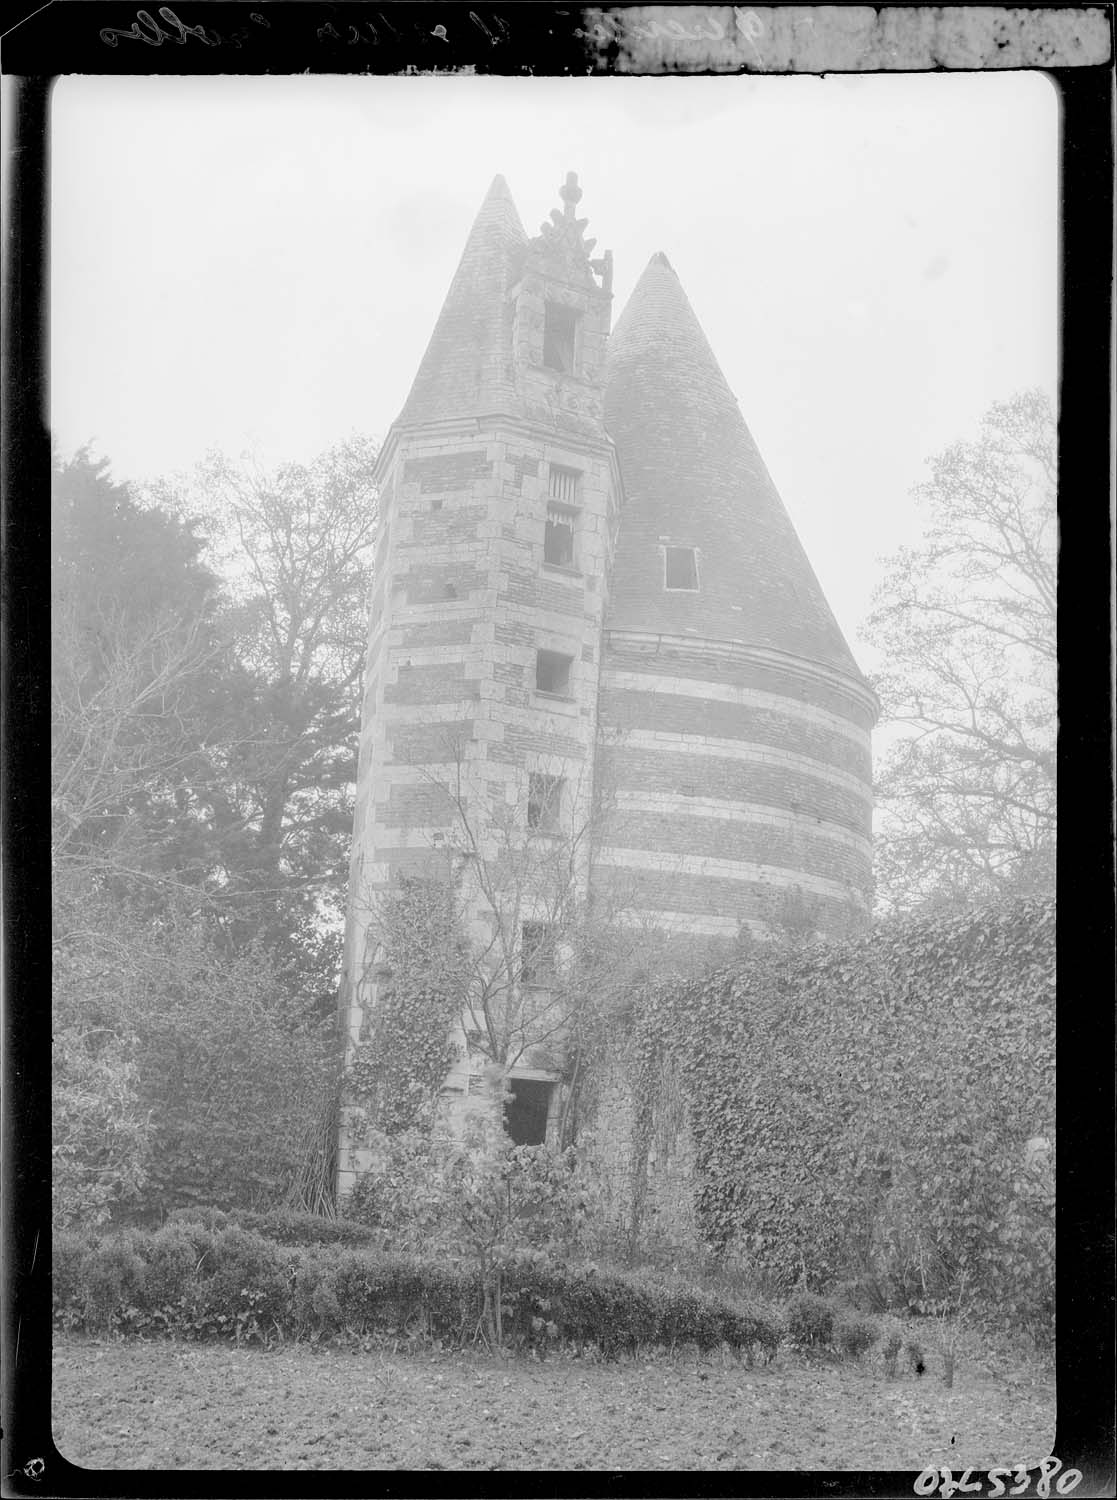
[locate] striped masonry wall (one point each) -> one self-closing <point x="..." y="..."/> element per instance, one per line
<point x="733" y="782"/>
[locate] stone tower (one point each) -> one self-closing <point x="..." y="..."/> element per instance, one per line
<point x="735" y="722"/>
<point x="590" y="610"/>
<point x="498" y="498"/>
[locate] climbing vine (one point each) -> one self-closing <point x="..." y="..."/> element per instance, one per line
<point x="863" y="1111"/>
<point x="421" y="974"/>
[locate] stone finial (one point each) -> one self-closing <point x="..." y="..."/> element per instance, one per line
<point x="570" y="193"/>
<point x="565" y="235"/>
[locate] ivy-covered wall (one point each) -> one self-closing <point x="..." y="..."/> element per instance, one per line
<point x="879" y="1111"/>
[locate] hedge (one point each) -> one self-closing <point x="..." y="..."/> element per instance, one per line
<point x="861" y="1112"/>
<point x="219" y="1280"/>
<point x="284" y="1226"/>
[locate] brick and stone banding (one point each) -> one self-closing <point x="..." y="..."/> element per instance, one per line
<point x="721" y="733"/>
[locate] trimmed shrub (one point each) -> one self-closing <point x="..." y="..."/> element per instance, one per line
<point x="241" y="1287"/>
<point x="757" y="1331"/>
<point x="171" y="1256"/>
<point x="810" y="1320"/>
<point x="113" y="1277"/>
<point x="209" y="1218"/>
<point x="68" y="1282"/>
<point x="288" y="1227"/>
<point x="854" y="1336"/>
<point x="230" y="1284"/>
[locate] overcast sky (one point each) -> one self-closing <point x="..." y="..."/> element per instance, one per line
<point x="259" y="262"/>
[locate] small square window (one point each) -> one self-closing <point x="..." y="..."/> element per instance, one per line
<point x="537" y="953"/>
<point x="544" y="801"/>
<point x="552" y="672"/>
<point x="558" y="537"/>
<point x="680" y="568"/>
<point x="560" y="332"/>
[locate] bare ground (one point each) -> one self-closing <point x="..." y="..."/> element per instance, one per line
<point x="164" y="1405"/>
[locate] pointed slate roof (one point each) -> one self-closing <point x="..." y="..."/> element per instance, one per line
<point x="467" y="367"/>
<point x="693" y="477"/>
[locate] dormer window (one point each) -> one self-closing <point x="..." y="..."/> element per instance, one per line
<point x="680" y="569"/>
<point x="560" y="336"/>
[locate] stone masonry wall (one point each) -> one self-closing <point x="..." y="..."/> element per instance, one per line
<point x="451" y="701"/>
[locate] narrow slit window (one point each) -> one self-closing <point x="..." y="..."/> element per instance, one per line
<point x="558" y="537"/>
<point x="680" y="569"/>
<point x="544" y="802"/>
<point x="537" y="953"/>
<point x="552" y="672"/>
<point x="560" y="333"/>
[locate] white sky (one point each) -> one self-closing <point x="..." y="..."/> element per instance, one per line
<point x="259" y="262"/>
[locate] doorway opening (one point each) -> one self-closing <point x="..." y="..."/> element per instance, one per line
<point x="525" y="1114"/>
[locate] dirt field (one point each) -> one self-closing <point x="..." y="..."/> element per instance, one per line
<point x="195" y="1406"/>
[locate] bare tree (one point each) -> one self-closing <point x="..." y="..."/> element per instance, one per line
<point x="966" y="624"/>
<point x="123" y="727"/>
<point x="293" y="549"/>
<point x="546" y="965"/>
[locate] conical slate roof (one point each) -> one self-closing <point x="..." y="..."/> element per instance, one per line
<point x="467" y="367"/>
<point x="693" y="477"/>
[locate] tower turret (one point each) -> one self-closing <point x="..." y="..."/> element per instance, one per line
<point x="735" y="719"/>
<point x="593" y="632"/>
<point x="498" y="493"/>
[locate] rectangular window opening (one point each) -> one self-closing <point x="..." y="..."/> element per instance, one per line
<point x="552" y="672"/>
<point x="527" y="1111"/>
<point x="544" y="801"/>
<point x="680" y="568"/>
<point x="537" y="953"/>
<point x="562" y="484"/>
<point x="558" y="537"/>
<point x="560" y="331"/>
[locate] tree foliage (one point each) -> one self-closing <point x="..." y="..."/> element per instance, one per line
<point x="965" y="623"/>
<point x="274" y="792"/>
<point x="422" y="969"/>
<point x="131" y="641"/>
<point x="203" y="745"/>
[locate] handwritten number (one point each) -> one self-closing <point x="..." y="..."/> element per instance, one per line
<point x="963" y="1486"/>
<point x="928" y="1481"/>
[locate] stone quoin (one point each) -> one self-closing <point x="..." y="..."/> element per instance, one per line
<point x="590" y="610"/>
